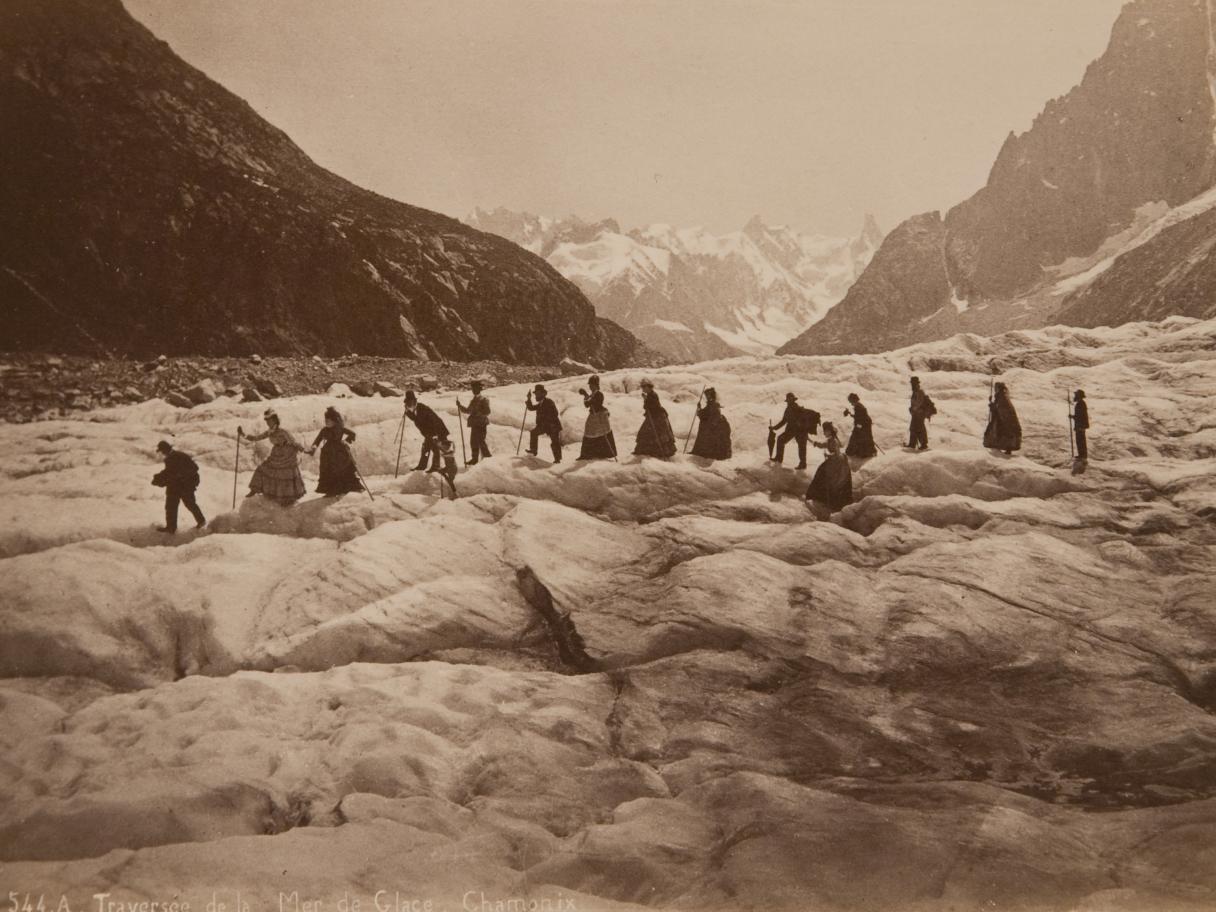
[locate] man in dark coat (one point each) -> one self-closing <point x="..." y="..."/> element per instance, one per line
<point x="479" y="422"/>
<point x="921" y="409"/>
<point x="180" y="479"/>
<point x="799" y="423"/>
<point x="432" y="429"/>
<point x="548" y="423"/>
<point x="1080" y="424"/>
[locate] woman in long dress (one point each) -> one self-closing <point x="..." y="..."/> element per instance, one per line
<point x="278" y="476"/>
<point x="832" y="485"/>
<point x="337" y="464"/>
<point x="655" y="436"/>
<point x="713" y="430"/>
<point x="1004" y="431"/>
<point x="598" y="442"/>
<point x="861" y="441"/>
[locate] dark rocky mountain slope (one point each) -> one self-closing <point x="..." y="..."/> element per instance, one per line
<point x="1136" y="132"/>
<point x="146" y="209"/>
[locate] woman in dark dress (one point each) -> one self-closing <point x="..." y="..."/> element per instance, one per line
<point x="832" y="485"/>
<point x="861" y="441"/>
<point x="598" y="442"/>
<point x="337" y="464"/>
<point x="655" y="436"/>
<point x="278" y="475"/>
<point x="713" y="432"/>
<point x="1004" y="431"/>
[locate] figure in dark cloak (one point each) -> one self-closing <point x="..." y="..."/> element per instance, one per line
<point x="338" y="474"/>
<point x="432" y="429"/>
<point x="713" y="430"/>
<point x="548" y="422"/>
<point x="861" y="441"/>
<point x="1004" y="431"/>
<point x="278" y="475"/>
<point x="921" y="409"/>
<point x="598" y="442"/>
<point x="798" y="423"/>
<point x="478" y="411"/>
<point x="655" y="436"/>
<point x="180" y="480"/>
<point x="832" y="486"/>
<point x="1080" y="424"/>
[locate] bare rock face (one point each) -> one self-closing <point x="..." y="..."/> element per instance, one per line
<point x="1137" y="131"/>
<point x="906" y="282"/>
<point x="206" y="390"/>
<point x="148" y="209"/>
<point x="1175" y="273"/>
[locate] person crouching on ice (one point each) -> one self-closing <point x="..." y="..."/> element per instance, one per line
<point x="278" y="475"/>
<point x="432" y="429"/>
<point x="180" y="479"/>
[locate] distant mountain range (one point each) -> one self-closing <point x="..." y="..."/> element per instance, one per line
<point x="1101" y="213"/>
<point x="146" y="209"/>
<point x="690" y="294"/>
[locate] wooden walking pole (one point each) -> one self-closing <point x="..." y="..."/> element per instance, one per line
<point x="688" y="437"/>
<point x="400" y="444"/>
<point x="236" y="464"/>
<point x="522" y="425"/>
<point x="464" y="457"/>
<point x="1072" y="451"/>
<point x="360" y="477"/>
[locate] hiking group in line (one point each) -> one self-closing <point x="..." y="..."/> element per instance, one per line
<point x="278" y="475"/>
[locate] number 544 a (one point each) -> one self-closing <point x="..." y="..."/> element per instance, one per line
<point x="18" y="902"/>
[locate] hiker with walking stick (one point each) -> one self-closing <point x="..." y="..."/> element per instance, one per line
<point x="180" y="479"/>
<point x="861" y="441"/>
<point x="713" y="435"/>
<point x="799" y="423"/>
<point x="696" y="413"/>
<point x="548" y="422"/>
<point x="337" y="471"/>
<point x="479" y="423"/>
<point x="655" y="437"/>
<point x="598" y="442"/>
<point x="432" y="428"/>
<point x="1079" y="424"/>
<point x="278" y="475"/>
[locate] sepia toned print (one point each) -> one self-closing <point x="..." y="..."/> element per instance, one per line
<point x="761" y="455"/>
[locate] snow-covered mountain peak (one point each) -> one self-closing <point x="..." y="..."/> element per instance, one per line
<point x="689" y="292"/>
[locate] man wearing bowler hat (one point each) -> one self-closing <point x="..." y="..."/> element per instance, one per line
<point x="547" y="422"/>
<point x="180" y="479"/>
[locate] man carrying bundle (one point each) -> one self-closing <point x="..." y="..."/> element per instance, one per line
<point x="799" y="423"/>
<point x="548" y="423"/>
<point x="180" y="479"/>
<point x="432" y="429"/>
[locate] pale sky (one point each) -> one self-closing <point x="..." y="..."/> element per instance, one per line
<point x="691" y="112"/>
